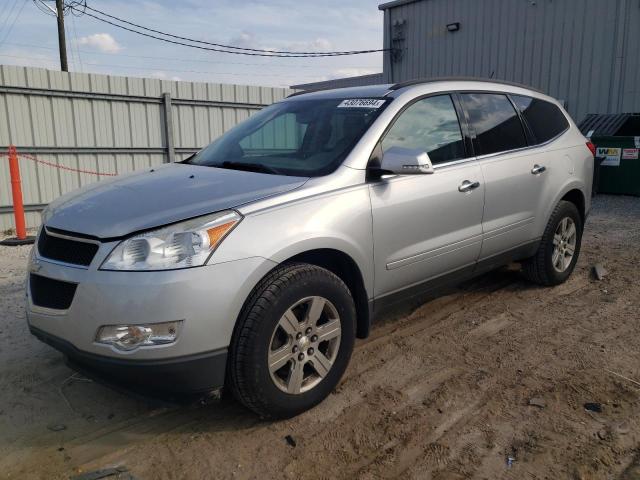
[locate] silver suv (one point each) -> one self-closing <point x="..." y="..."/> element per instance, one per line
<point x="256" y="262"/>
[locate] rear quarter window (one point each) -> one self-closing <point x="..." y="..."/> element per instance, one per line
<point x="545" y="120"/>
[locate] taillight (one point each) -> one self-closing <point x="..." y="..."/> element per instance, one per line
<point x="591" y="147"/>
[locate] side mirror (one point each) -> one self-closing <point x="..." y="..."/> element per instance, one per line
<point x="406" y="161"/>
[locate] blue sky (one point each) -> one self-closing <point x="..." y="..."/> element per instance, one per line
<point x="29" y="37"/>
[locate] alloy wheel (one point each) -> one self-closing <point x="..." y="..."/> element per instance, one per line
<point x="564" y="244"/>
<point x="304" y="345"/>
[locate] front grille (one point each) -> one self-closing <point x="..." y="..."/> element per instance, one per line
<point x="65" y="249"/>
<point x="50" y="293"/>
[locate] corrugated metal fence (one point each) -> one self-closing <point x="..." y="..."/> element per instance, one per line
<point x="106" y="124"/>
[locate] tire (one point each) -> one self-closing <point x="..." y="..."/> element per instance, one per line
<point x="545" y="268"/>
<point x="265" y="337"/>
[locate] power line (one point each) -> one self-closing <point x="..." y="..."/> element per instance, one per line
<point x="9" y="11"/>
<point x="15" y="19"/>
<point x="195" y="60"/>
<point x="221" y="45"/>
<point x="213" y="49"/>
<point x="76" y="43"/>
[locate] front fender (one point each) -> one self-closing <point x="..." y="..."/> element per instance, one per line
<point x="339" y="221"/>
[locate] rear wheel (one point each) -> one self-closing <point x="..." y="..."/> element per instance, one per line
<point x="559" y="248"/>
<point x="293" y="341"/>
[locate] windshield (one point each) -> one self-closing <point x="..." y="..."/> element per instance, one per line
<point x="306" y="138"/>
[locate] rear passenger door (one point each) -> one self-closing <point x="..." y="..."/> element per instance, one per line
<point x="514" y="177"/>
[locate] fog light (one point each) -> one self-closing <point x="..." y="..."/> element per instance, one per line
<point x="130" y="337"/>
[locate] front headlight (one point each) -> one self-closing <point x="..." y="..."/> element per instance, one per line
<point x="181" y="245"/>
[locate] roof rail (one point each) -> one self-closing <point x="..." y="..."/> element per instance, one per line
<point x="419" y="81"/>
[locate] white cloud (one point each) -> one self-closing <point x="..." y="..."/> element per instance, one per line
<point x="101" y="41"/>
<point x="163" y="76"/>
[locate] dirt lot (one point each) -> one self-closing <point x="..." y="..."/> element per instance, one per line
<point x="442" y="390"/>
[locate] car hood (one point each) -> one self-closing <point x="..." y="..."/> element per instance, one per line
<point x="160" y="196"/>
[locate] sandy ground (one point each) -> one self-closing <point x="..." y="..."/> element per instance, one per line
<point x="442" y="390"/>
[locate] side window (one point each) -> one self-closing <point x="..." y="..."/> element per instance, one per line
<point x="545" y="120"/>
<point x="496" y="123"/>
<point x="431" y="125"/>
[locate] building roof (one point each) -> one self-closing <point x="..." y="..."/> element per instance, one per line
<point x="395" y="3"/>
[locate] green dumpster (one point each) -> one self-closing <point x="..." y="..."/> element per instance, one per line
<point x="617" y="141"/>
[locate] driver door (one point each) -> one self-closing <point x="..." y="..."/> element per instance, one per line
<point x="427" y="225"/>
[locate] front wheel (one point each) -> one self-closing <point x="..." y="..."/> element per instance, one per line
<point x="559" y="248"/>
<point x="293" y="341"/>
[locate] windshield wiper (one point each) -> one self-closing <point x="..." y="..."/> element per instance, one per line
<point x="251" y="167"/>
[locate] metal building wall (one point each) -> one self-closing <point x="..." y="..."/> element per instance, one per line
<point x="109" y="124"/>
<point x="585" y="52"/>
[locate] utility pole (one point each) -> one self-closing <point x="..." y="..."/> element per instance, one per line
<point x="62" y="43"/>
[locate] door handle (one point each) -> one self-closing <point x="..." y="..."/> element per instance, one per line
<point x="467" y="186"/>
<point x="538" y="169"/>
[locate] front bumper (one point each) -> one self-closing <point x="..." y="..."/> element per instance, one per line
<point x="190" y="374"/>
<point x="206" y="299"/>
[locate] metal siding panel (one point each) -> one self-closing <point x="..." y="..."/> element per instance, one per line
<point x="99" y="83"/>
<point x="152" y="87"/>
<point x="242" y="93"/>
<point x="124" y="164"/>
<point x="228" y="118"/>
<point x="141" y="162"/>
<point x="175" y="113"/>
<point x="59" y="80"/>
<point x="37" y="77"/>
<point x="630" y="91"/>
<point x="228" y="93"/>
<point x="154" y="125"/>
<point x="48" y="179"/>
<point x="5" y="181"/>
<point x="214" y="92"/>
<point x="121" y="124"/>
<point x="118" y="85"/>
<point x="87" y="163"/>
<point x="83" y="123"/>
<point x="216" y="122"/>
<point x="42" y="121"/>
<point x="13" y="76"/>
<point x="186" y="121"/>
<point x="266" y="95"/>
<point x="68" y="180"/>
<point x="106" y="164"/>
<point x="202" y="129"/>
<point x="30" y="184"/>
<point x="199" y="91"/>
<point x="139" y="130"/>
<point x="79" y="82"/>
<point x="19" y="120"/>
<point x="103" y="123"/>
<point x="135" y="86"/>
<point x="5" y="135"/>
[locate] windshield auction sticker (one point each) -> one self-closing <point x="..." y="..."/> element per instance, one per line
<point x="361" y="103"/>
